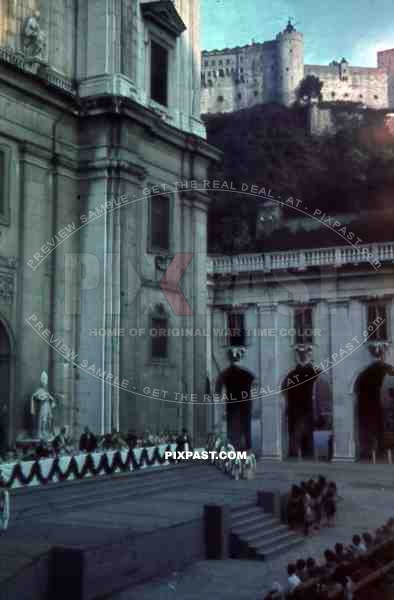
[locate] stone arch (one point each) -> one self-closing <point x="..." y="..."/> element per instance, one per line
<point x="371" y="415"/>
<point x="237" y="382"/>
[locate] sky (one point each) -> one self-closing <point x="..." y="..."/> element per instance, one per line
<point x="354" y="29"/>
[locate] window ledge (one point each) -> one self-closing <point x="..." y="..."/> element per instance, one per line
<point x="160" y="362"/>
<point x="161" y="110"/>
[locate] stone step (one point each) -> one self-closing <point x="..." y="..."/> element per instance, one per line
<point x="247" y="513"/>
<point x="242" y="510"/>
<point x="251" y="521"/>
<point x="110" y="482"/>
<point x="265" y="532"/>
<point x="275" y="550"/>
<point x="241" y="532"/>
<point x="260" y="546"/>
<point x="103" y="480"/>
<point x="99" y="493"/>
<point x="79" y="503"/>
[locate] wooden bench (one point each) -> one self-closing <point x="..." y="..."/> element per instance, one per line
<point x="367" y="581"/>
<point x="305" y="589"/>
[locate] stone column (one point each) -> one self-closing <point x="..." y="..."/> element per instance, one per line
<point x="341" y="333"/>
<point x="271" y="410"/>
<point x="188" y="365"/>
<point x="63" y="367"/>
<point x="95" y="350"/>
<point x="200" y="300"/>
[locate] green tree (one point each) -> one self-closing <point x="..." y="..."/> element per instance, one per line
<point x="310" y="87"/>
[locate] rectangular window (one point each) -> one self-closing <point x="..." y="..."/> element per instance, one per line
<point x="236" y="329"/>
<point x="303" y="325"/>
<point x="159" y="73"/>
<point x="159" y="337"/>
<point x="377" y="321"/>
<point x="159" y="239"/>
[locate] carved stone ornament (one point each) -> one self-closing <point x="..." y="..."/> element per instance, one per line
<point x="236" y="354"/>
<point x="379" y="349"/>
<point x="7" y="288"/>
<point x="34" y="39"/>
<point x="303" y="354"/>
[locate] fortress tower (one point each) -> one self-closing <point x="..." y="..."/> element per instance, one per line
<point x="290" y="63"/>
<point x="271" y="71"/>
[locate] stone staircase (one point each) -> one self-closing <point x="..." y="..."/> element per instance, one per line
<point x="258" y="535"/>
<point x="41" y="501"/>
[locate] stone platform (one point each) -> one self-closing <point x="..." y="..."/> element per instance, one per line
<point x="123" y="529"/>
<point x="128" y="529"/>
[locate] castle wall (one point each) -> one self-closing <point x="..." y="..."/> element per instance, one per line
<point x="237" y="78"/>
<point x="231" y="79"/>
<point x="386" y="61"/>
<point x="357" y="84"/>
<point x="270" y="71"/>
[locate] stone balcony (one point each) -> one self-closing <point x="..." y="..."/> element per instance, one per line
<point x="338" y="256"/>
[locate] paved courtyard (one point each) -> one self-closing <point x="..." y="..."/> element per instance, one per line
<point x="367" y="493"/>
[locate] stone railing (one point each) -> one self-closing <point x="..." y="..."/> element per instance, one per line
<point x="41" y="70"/>
<point x="375" y="254"/>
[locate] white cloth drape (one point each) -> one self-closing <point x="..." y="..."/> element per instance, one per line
<point x="5" y="509"/>
<point x="64" y="462"/>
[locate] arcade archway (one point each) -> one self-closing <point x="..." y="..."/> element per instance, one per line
<point x="308" y="408"/>
<point x="374" y="409"/>
<point x="237" y="383"/>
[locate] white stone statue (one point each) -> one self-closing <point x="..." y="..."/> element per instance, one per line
<point x="41" y="407"/>
<point x="34" y="39"/>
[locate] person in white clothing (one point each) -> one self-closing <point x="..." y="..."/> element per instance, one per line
<point x="293" y="580"/>
<point x="4" y="506"/>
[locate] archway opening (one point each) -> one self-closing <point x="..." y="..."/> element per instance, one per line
<point x="237" y="383"/>
<point x="5" y="356"/>
<point x="373" y="419"/>
<point x="298" y="389"/>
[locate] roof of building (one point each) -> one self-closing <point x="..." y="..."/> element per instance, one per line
<point x="233" y="49"/>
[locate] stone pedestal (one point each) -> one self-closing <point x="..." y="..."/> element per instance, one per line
<point x="217" y="531"/>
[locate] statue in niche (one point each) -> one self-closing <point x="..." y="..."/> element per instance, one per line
<point x="41" y="408"/>
<point x="34" y="39"/>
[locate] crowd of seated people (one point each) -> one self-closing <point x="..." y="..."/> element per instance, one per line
<point x="62" y="445"/>
<point x="336" y="575"/>
<point x="312" y="504"/>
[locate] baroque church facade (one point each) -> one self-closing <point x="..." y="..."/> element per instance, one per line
<point x="99" y="118"/>
<point x="99" y="122"/>
<point x="241" y="77"/>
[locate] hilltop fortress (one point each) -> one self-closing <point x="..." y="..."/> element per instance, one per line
<point x="236" y="78"/>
